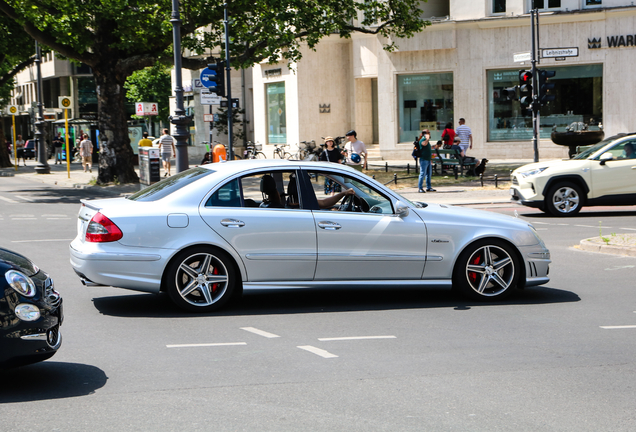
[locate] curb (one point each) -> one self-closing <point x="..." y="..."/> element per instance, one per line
<point x="595" y="244"/>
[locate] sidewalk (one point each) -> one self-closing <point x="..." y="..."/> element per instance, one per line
<point x="455" y="195"/>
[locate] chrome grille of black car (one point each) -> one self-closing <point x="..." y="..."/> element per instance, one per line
<point x="51" y="297"/>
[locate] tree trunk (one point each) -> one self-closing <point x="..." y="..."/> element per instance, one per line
<point x="5" y="161"/>
<point x="116" y="157"/>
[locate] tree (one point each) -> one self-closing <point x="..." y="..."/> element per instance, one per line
<point x="118" y="37"/>
<point x="151" y="84"/>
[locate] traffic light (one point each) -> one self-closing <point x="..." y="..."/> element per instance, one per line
<point x="545" y="87"/>
<point x="525" y="88"/>
<point x="218" y="79"/>
<point x="511" y="93"/>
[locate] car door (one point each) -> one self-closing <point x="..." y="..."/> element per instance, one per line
<point x="616" y="177"/>
<point x="275" y="244"/>
<point x="375" y="244"/>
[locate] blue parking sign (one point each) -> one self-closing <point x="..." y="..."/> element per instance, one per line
<point x="207" y="77"/>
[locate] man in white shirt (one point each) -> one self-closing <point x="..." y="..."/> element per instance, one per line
<point x="465" y="135"/>
<point x="356" y="151"/>
<point x="166" y="144"/>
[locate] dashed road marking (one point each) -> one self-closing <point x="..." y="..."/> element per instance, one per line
<point x="260" y="332"/>
<point x="317" y="351"/>
<point x="205" y="345"/>
<point x="355" y="338"/>
<point x="24" y="198"/>
<point x="41" y="240"/>
<point x="618" y="327"/>
<point x="9" y="200"/>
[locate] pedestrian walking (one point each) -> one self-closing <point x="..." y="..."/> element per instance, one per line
<point x="144" y="141"/>
<point x="465" y="135"/>
<point x="166" y="143"/>
<point x="19" y="152"/>
<point x="57" y="146"/>
<point x="448" y="135"/>
<point x="86" y="153"/>
<point x="331" y="154"/>
<point x="355" y="151"/>
<point x="426" y="167"/>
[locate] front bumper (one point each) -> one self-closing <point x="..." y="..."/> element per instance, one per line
<point x="526" y="197"/>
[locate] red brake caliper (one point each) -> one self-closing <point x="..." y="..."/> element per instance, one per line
<point x="216" y="285"/>
<point x="472" y="275"/>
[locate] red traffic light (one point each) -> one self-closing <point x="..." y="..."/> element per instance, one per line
<point x="525" y="77"/>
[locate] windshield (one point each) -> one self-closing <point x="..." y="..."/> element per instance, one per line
<point x="596" y="147"/>
<point x="169" y="185"/>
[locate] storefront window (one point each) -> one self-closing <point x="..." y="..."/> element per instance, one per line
<point x="546" y="4"/>
<point x="424" y="101"/>
<point x="276" y="114"/>
<point x="498" y="6"/>
<point x="579" y="98"/>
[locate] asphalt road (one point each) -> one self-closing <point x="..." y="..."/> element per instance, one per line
<point x="551" y="358"/>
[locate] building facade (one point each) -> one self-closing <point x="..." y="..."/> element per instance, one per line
<point x="457" y="68"/>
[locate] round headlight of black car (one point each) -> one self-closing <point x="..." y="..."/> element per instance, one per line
<point x="21" y="283"/>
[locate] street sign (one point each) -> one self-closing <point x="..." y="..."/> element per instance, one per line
<point x="13" y="110"/>
<point x="196" y="84"/>
<point x="146" y="108"/>
<point x="235" y="103"/>
<point x="521" y="57"/>
<point x="559" y="52"/>
<point x="65" y="102"/>
<point x="208" y="98"/>
<point x="208" y="117"/>
<point x="205" y="77"/>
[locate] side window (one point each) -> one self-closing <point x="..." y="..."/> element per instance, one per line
<point x="275" y="189"/>
<point x="330" y="190"/>
<point x="228" y="195"/>
<point x="625" y="150"/>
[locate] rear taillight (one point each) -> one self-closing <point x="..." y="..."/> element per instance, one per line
<point x="101" y="229"/>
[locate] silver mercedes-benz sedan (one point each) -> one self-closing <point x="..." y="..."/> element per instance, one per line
<point x="208" y="233"/>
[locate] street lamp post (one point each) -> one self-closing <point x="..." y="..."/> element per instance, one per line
<point x="42" y="166"/>
<point x="180" y="120"/>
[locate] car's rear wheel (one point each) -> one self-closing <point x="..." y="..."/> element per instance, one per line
<point x="201" y="279"/>
<point x="564" y="199"/>
<point x="487" y="270"/>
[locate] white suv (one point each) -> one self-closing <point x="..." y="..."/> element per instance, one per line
<point x="604" y="174"/>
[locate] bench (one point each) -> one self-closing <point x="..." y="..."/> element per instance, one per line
<point x="451" y="158"/>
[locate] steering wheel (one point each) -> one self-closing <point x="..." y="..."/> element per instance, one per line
<point x="353" y="203"/>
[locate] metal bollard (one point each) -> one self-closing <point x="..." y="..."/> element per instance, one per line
<point x="386" y="167"/>
<point x="373" y="176"/>
<point x="481" y="179"/>
<point x="496" y="185"/>
<point x="395" y="178"/>
<point x="408" y="169"/>
<point x="455" y="171"/>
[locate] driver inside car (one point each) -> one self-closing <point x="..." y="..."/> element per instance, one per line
<point x="326" y="203"/>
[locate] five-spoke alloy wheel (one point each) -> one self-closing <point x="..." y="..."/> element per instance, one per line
<point x="487" y="269"/>
<point x="200" y="279"/>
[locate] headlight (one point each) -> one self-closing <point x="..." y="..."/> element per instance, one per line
<point x="532" y="172"/>
<point x="21" y="283"/>
<point x="27" y="312"/>
<point x="536" y="234"/>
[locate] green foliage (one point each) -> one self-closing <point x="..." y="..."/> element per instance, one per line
<point x="151" y="84"/>
<point x="238" y="123"/>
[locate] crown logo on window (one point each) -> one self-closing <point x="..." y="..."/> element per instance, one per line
<point x="594" y="43"/>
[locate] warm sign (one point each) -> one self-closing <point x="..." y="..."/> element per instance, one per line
<point x="146" y="108"/>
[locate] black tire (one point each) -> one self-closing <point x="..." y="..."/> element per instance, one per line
<point x="201" y="279"/>
<point x="564" y="199"/>
<point x="260" y="155"/>
<point x="488" y="269"/>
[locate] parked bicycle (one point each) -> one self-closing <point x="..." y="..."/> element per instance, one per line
<point x="279" y="151"/>
<point x="253" y="151"/>
<point x="306" y="150"/>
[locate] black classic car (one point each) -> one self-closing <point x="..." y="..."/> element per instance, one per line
<point x="30" y="312"/>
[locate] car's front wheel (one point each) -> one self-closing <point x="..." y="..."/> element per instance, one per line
<point x="200" y="279"/>
<point x="564" y="199"/>
<point x="487" y="269"/>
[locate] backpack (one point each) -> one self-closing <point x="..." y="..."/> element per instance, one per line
<point x="416" y="149"/>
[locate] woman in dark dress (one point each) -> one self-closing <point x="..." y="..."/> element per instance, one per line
<point x="331" y="154"/>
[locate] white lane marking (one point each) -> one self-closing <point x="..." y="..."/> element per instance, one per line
<point x="585" y="226"/>
<point x="24" y="218"/>
<point x="206" y="345"/>
<point x="21" y="216"/>
<point x="41" y="240"/>
<point x="317" y="351"/>
<point x="541" y="229"/>
<point x="54" y="215"/>
<point x="24" y="198"/>
<point x="563" y="224"/>
<point x="631" y="229"/>
<point x="9" y="200"/>
<point x="259" y="332"/>
<point x="58" y="218"/>
<point x="618" y="327"/>
<point x="356" y="338"/>
<point x="540" y="223"/>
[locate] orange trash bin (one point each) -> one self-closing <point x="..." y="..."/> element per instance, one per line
<point x="219" y="153"/>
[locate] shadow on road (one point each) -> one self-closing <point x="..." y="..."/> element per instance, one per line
<point x="49" y="380"/>
<point x="54" y="195"/>
<point x="584" y="214"/>
<point x="323" y="300"/>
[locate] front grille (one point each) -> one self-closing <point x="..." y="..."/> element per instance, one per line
<point x="51" y="297"/>
<point x="514" y="180"/>
<point x="54" y="337"/>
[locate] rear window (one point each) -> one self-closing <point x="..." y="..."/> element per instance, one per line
<point x="169" y="185"/>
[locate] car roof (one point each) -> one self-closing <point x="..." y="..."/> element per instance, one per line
<point x="241" y="165"/>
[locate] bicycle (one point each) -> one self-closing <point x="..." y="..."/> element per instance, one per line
<point x="306" y="150"/>
<point x="279" y="151"/>
<point x="253" y="151"/>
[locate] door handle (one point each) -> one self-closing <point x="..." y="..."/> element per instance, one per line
<point x="232" y="223"/>
<point x="327" y="225"/>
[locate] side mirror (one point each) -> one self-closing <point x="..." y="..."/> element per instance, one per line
<point x="607" y="156"/>
<point x="401" y="209"/>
